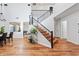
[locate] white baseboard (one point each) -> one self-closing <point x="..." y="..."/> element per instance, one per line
<point x="77" y="43"/>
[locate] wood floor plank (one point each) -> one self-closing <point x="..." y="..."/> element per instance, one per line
<point x="22" y="47"/>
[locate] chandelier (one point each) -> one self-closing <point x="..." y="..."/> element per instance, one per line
<point x="2" y="15"/>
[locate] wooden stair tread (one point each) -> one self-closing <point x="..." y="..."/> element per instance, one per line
<point x="48" y="36"/>
<point x="44" y="33"/>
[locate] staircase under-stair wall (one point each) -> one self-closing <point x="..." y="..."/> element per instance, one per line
<point x="42" y="40"/>
<point x="47" y="37"/>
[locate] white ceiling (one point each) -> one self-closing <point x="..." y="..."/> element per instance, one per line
<point x="18" y="11"/>
<point x="69" y="11"/>
<point x="42" y="6"/>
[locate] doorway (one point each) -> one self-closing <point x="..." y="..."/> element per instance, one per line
<point x="64" y="29"/>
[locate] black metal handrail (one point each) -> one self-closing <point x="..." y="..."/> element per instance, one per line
<point x="43" y="14"/>
<point x="42" y="25"/>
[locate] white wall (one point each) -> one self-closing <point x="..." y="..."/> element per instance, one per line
<point x="72" y="27"/>
<point x="25" y="26"/>
<point x="61" y="7"/>
<point x="49" y="23"/>
<point x="43" y="41"/>
<point x="57" y="28"/>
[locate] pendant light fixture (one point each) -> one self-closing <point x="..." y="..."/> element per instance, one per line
<point x="2" y="15"/>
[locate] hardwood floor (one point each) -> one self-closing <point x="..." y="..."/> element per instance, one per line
<point x="22" y="47"/>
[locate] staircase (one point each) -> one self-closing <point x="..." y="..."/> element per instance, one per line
<point x="45" y="32"/>
<point x="42" y="29"/>
<point x="47" y="35"/>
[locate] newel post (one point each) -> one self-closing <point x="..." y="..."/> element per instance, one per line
<point x="51" y="39"/>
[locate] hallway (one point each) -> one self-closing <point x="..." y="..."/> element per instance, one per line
<point x="22" y="47"/>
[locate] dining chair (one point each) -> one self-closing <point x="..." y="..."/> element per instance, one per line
<point x="3" y="39"/>
<point x="10" y="37"/>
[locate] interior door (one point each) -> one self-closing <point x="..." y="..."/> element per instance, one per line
<point x="64" y="29"/>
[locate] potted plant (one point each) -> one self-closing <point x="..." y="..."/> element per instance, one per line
<point x="33" y="31"/>
<point x="2" y="30"/>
